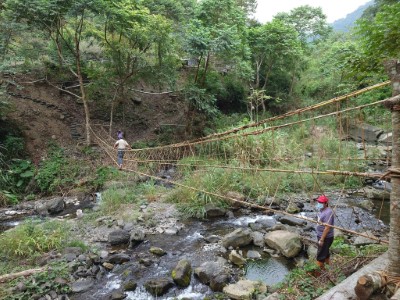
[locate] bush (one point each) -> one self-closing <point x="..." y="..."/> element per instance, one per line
<point x="57" y="172"/>
<point x="32" y="238"/>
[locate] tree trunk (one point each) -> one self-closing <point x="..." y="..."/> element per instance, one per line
<point x="393" y="70"/>
<point x="77" y="38"/>
<point x="198" y="69"/>
<point x="113" y="101"/>
<point x="203" y="80"/>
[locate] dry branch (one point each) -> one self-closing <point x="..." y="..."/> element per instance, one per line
<point x="9" y="277"/>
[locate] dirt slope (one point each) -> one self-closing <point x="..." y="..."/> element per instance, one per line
<point x="44" y="114"/>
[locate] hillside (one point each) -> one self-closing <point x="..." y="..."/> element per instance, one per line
<point x="43" y="114"/>
<point x="344" y="24"/>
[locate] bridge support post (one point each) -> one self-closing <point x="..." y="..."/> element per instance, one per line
<point x="393" y="70"/>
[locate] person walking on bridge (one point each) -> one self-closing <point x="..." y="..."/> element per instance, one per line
<point x="121" y="145"/>
<point x="324" y="232"/>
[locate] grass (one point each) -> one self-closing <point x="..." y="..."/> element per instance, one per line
<point x="301" y="283"/>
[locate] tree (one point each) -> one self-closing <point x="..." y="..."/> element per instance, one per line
<point x="217" y="31"/>
<point x="130" y="32"/>
<point x="50" y="16"/>
<point x="275" y="49"/>
<point x="380" y="37"/>
<point x="309" y="22"/>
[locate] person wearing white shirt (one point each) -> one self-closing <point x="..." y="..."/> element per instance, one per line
<point x="121" y="145"/>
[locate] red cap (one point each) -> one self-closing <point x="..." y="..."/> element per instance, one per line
<point x="323" y="199"/>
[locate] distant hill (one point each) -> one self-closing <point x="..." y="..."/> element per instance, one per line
<point x="346" y="23"/>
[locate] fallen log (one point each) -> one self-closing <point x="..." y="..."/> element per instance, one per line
<point x="345" y="289"/>
<point x="8" y="277"/>
<point x="368" y="284"/>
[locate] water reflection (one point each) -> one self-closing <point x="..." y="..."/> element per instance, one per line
<point x="270" y="270"/>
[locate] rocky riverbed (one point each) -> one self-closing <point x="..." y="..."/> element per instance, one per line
<point x="161" y="256"/>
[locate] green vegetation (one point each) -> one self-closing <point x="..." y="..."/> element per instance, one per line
<point x="218" y="61"/>
<point x="301" y="283"/>
<point x="33" y="238"/>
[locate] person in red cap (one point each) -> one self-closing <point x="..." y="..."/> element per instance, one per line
<point x="324" y="232"/>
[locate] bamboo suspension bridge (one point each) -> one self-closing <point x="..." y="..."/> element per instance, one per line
<point x="260" y="150"/>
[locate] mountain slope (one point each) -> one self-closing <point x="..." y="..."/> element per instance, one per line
<point x="346" y="23"/>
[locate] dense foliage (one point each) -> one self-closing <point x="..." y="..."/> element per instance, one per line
<point x="213" y="52"/>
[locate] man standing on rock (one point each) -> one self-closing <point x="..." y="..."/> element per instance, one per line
<point x="324" y="232"/>
<point x="121" y="145"/>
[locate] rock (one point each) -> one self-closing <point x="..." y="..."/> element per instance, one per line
<point x="103" y="254"/>
<point x="118" y="237"/>
<point x="214" y="274"/>
<point x="157" y="251"/>
<point x="237" y="258"/>
<point x="367" y="205"/>
<point x="118" y="295"/>
<point x="253" y="254"/>
<point x="360" y="132"/>
<point x="378" y="194"/>
<point x="267" y="222"/>
<point x="212" y="239"/>
<point x="244" y="289"/>
<point x="182" y="273"/>
<point x="82" y="285"/>
<point x="213" y="211"/>
<point x="292" y="221"/>
<point x="292" y="208"/>
<point x="118" y="258"/>
<point x="108" y="266"/>
<point x="258" y="238"/>
<point x="69" y="257"/>
<point x="386" y="139"/>
<point x="236" y="196"/>
<point x="274" y="296"/>
<point x="129" y="285"/>
<point x="158" y="287"/>
<point x="171" y="231"/>
<point x="136" y="237"/>
<point x="55" y="205"/>
<point x="270" y="201"/>
<point x="382" y="185"/>
<point x="288" y="243"/>
<point x="238" y="238"/>
<point x="361" y="241"/>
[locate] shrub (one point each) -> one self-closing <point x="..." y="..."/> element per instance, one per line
<point x="58" y="171"/>
<point x="32" y="238"/>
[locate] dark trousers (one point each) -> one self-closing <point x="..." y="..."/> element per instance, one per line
<point x="323" y="251"/>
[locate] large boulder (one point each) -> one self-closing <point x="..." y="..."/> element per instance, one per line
<point x="55" y="205"/>
<point x="244" y="289"/>
<point x="213" y="211"/>
<point x="158" y="287"/>
<point x="360" y="132"/>
<point x="182" y="273"/>
<point x="373" y="193"/>
<point x="213" y="273"/>
<point x="292" y="221"/>
<point x="137" y="236"/>
<point x="118" y="237"/>
<point x="82" y="285"/>
<point x="286" y="242"/>
<point x="238" y="238"/>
